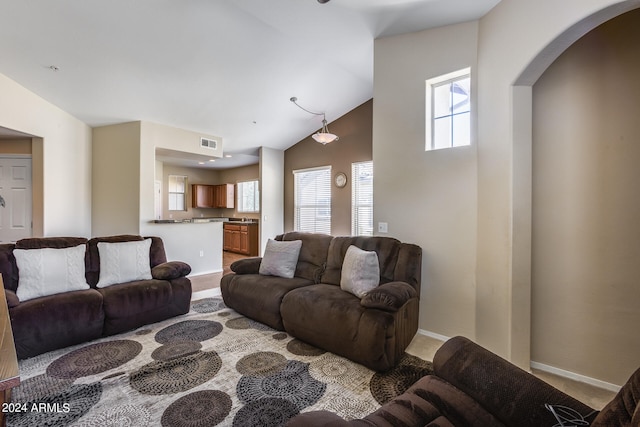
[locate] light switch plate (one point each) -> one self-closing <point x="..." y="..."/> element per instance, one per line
<point x="383" y="227"/>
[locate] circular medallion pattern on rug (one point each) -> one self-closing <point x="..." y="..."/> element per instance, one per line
<point x="293" y="383"/>
<point x="94" y="359"/>
<point x="261" y="364"/>
<point x="176" y="349"/>
<point x="208" y="305"/>
<point x="38" y="387"/>
<point x="199" y="409"/>
<point x="78" y="398"/>
<point x="118" y="416"/>
<point x="338" y="370"/>
<point x="189" y="330"/>
<point x="386" y="386"/>
<point x="267" y="412"/>
<point x="246" y="323"/>
<point x="176" y="375"/>
<point x="301" y="348"/>
<point x="351" y="407"/>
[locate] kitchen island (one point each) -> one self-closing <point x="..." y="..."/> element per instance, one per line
<point x="197" y="241"/>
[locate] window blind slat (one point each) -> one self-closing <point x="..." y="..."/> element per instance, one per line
<point x="312" y="200"/>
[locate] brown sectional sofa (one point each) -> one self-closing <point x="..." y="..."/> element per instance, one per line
<point x="473" y="387"/>
<point x="56" y="321"/>
<point x="311" y="306"/>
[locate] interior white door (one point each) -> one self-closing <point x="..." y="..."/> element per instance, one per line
<point x="15" y="199"/>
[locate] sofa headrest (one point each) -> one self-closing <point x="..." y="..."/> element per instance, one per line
<point x="313" y="253"/>
<point x="156" y="254"/>
<point x="387" y="249"/>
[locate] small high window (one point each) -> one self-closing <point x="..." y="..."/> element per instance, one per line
<point x="448" y="108"/>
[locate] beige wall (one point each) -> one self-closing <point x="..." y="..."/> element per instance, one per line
<point x="62" y="172"/>
<point x="115" y="179"/>
<point x="427" y="197"/>
<point x="194" y="176"/>
<point x="354" y="145"/>
<point x="515" y="43"/>
<point x="15" y="146"/>
<point x="586" y="152"/>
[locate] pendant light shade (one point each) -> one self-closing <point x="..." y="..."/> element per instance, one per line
<point x="323" y="136"/>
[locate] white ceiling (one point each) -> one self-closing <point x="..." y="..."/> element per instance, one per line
<point x="221" y="67"/>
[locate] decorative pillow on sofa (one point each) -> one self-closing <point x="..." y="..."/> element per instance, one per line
<point x="360" y="271"/>
<point x="280" y="258"/>
<point x="124" y="262"/>
<point x="50" y="271"/>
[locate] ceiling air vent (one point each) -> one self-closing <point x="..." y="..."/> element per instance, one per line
<point x="208" y="143"/>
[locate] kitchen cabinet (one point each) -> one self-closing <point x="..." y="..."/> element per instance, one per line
<point x="241" y="238"/>
<point x="202" y="196"/>
<point x="213" y="196"/>
<point x="223" y="196"/>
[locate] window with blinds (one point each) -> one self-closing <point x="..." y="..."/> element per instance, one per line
<point x="312" y="200"/>
<point x="362" y="199"/>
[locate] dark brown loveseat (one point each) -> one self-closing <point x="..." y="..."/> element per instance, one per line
<point x="472" y="387"/>
<point x="311" y="306"/>
<point x="50" y="322"/>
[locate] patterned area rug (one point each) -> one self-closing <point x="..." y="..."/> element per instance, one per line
<point x="209" y="367"/>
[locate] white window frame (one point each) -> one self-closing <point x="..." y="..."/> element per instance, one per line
<point x="177" y="192"/>
<point x="431" y="84"/>
<point x="312" y="203"/>
<point x="248" y="196"/>
<point x="362" y="199"/>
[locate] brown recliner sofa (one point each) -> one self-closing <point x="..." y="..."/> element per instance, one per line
<point x="311" y="306"/>
<point x="50" y="322"/>
<point x="472" y="387"/>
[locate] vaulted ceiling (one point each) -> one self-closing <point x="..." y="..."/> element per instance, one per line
<point x="221" y="67"/>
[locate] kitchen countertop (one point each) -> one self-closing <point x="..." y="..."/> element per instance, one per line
<point x="205" y="220"/>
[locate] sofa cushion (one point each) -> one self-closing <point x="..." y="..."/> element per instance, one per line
<point x="313" y="254"/>
<point x="280" y="258"/>
<point x="123" y="262"/>
<point x="50" y="271"/>
<point x="259" y="297"/>
<point x="56" y="321"/>
<point x="327" y="317"/>
<point x="360" y="271"/>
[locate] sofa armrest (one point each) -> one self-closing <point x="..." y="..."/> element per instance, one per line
<point x="170" y="270"/>
<point x="246" y="265"/>
<point x="389" y="296"/>
<point x="512" y="395"/>
<point x="12" y="298"/>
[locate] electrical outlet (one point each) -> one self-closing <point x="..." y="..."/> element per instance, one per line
<point x="383" y="227"/>
<point x="201" y="253"/>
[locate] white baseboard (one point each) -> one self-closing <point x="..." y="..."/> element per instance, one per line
<point x="433" y="335"/>
<point x="576" y="377"/>
<point x="546" y="368"/>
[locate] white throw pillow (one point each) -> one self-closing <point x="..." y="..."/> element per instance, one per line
<point x="280" y="258"/>
<point x="123" y="262"/>
<point x="50" y="271"/>
<point x="360" y="271"/>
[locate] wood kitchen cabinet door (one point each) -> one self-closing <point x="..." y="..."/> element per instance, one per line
<point x="224" y="196"/>
<point x="202" y="196"/>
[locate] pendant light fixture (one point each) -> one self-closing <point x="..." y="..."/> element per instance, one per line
<point x="323" y="136"/>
